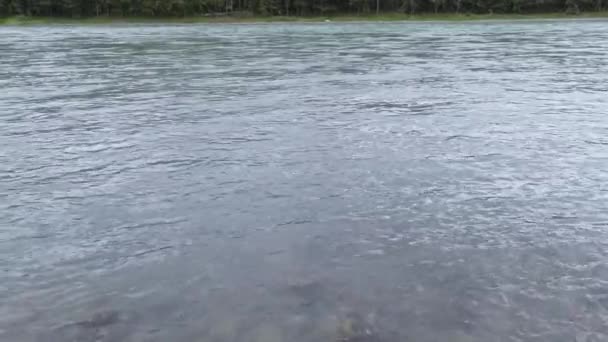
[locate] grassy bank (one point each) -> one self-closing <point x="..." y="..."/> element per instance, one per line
<point x="256" y="19"/>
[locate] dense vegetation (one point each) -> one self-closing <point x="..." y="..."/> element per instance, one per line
<point x="180" y="8"/>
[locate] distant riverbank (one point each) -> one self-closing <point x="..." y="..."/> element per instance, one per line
<point x="267" y="19"/>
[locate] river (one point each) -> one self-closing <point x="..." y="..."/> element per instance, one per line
<point x="369" y="182"/>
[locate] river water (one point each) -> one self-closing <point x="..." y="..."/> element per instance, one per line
<point x="370" y="182"/>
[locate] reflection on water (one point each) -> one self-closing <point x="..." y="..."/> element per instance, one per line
<point x="329" y="182"/>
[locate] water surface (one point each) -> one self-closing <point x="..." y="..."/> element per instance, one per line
<point x="371" y="182"/>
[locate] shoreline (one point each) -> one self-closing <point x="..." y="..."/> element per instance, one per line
<point x="388" y="17"/>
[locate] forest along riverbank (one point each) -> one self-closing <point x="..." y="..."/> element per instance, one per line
<point x="33" y="20"/>
<point x="287" y="8"/>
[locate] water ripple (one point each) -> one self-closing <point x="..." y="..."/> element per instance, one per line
<point x="420" y="181"/>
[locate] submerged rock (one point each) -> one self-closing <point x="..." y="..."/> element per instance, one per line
<point x="354" y="328"/>
<point x="109" y="325"/>
<point x="308" y="293"/>
<point x="100" y="319"/>
<point x="332" y="314"/>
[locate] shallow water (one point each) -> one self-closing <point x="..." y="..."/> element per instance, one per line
<point x="323" y="182"/>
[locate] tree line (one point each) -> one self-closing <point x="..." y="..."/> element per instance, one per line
<point x="167" y="8"/>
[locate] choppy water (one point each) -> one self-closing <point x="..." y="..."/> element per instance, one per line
<point x="330" y="182"/>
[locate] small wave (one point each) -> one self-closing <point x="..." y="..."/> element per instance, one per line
<point x="593" y="142"/>
<point x="184" y="162"/>
<point x="458" y="136"/>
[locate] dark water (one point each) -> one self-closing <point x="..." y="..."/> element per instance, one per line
<point x="329" y="182"/>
